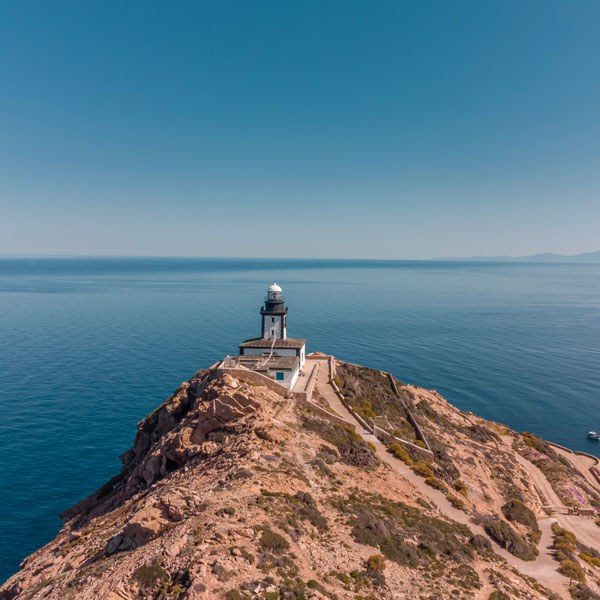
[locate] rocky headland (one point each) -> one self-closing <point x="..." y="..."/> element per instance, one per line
<point x="360" y="488"/>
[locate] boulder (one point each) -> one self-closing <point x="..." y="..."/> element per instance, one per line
<point x="144" y="526"/>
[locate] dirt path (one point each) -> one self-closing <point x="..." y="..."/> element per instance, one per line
<point x="543" y="568"/>
<point x="582" y="463"/>
<point x="542" y="484"/>
<point x="584" y="528"/>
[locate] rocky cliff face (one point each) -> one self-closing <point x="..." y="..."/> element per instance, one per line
<point x="233" y="491"/>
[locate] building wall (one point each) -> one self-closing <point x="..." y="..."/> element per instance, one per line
<point x="276" y="322"/>
<point x="289" y="378"/>
<point x="278" y="351"/>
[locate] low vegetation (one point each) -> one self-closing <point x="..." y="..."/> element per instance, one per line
<point x="460" y="487"/>
<point x="435" y="483"/>
<point x="273" y="542"/>
<point x="515" y="510"/>
<point x="571" y="487"/>
<point x="148" y="576"/>
<point x="423" y="468"/>
<point x="566" y="546"/>
<point x="456" y="502"/>
<point x="290" y="510"/>
<point x="572" y="570"/>
<point x="580" y="591"/>
<point x="399" y="452"/>
<point x="353" y="450"/>
<point x="370" y="393"/>
<point x="405" y="535"/>
<point x="509" y="539"/>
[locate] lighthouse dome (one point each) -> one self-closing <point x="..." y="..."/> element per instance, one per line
<point x="274" y="293"/>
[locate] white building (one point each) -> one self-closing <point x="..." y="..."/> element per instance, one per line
<point x="273" y="353"/>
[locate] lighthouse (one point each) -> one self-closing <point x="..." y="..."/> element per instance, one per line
<point x="274" y="314"/>
<point x="274" y="353"/>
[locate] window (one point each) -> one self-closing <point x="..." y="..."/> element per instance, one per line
<point x="279" y="376"/>
<point x="272" y="319"/>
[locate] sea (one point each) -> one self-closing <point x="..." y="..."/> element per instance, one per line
<point x="89" y="346"/>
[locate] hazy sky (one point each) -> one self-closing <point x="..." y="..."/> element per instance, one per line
<point x="303" y="129"/>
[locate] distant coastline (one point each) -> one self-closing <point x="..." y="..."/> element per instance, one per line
<point x="586" y="257"/>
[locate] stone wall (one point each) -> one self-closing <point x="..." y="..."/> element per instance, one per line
<point x="561" y="447"/>
<point x="413" y="421"/>
<point x="323" y="412"/>
<point x="384" y="436"/>
<point x="307" y="392"/>
<point x="377" y="431"/>
<point x="253" y="377"/>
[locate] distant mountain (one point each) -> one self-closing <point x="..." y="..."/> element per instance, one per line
<point x="587" y="257"/>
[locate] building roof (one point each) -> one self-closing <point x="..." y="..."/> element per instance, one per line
<point x="262" y="343"/>
<point x="275" y="363"/>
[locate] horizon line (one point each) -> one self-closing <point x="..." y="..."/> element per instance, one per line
<point x="474" y="258"/>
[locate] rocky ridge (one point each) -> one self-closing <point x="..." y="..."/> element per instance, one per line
<point x="234" y="491"/>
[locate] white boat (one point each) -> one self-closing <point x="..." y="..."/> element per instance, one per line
<point x="593" y="435"/>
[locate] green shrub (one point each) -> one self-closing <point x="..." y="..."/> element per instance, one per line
<point x="274" y="542"/>
<point x="580" y="591"/>
<point x="302" y="505"/>
<point x="147" y="576"/>
<point x="423" y="468"/>
<point x="460" y="487"/>
<point x="399" y="452"/>
<point x="456" y="502"/>
<point x="437" y="484"/>
<point x="467" y="577"/>
<point x="388" y="526"/>
<point x="515" y="510"/>
<point x="222" y="573"/>
<point x="292" y="589"/>
<point x="353" y="450"/>
<point x="422" y="502"/>
<point x="507" y="537"/>
<point x="564" y="539"/>
<point x="538" y="444"/>
<point x="236" y="595"/>
<point x="247" y="556"/>
<point x="570" y="569"/>
<point x="480" y="543"/>
<point x="367" y="409"/>
<point x="591" y="560"/>
<point x="315" y="585"/>
<point x="376" y="562"/>
<point x="560" y="546"/>
<point x="498" y="595"/>
<point x="535" y="536"/>
<point x="481" y="434"/>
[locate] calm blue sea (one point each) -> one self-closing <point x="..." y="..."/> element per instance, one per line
<point x="89" y="346"/>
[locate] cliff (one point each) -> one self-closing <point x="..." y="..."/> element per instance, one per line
<point x="234" y="490"/>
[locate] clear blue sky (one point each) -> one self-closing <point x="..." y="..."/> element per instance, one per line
<point x="326" y="129"/>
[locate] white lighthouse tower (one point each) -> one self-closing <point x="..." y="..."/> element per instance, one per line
<point x="274" y="314"/>
<point x="274" y="353"/>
